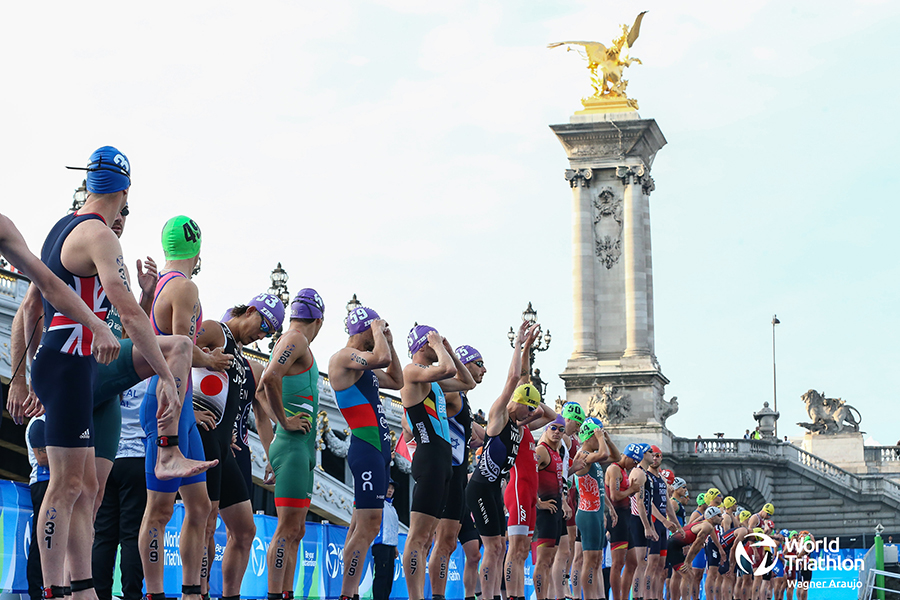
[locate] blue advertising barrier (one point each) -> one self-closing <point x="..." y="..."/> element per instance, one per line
<point x="320" y="565"/>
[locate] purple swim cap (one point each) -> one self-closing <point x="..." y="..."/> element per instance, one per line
<point x="360" y="320"/>
<point x="467" y="354"/>
<point x="227" y="316"/>
<point x="418" y="337"/>
<point x="559" y="420"/>
<point x="270" y="307"/>
<point x="307" y="304"/>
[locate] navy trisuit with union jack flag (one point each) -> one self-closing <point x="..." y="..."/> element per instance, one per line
<point x="63" y="370"/>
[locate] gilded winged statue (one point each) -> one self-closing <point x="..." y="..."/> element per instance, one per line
<point x="611" y="61"/>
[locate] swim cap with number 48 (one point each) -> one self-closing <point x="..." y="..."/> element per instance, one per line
<point x="180" y="238"/>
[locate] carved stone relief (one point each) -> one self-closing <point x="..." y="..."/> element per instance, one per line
<point x="609" y="405"/>
<point x="607" y="212"/>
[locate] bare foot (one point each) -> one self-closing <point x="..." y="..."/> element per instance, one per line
<point x="172" y="464"/>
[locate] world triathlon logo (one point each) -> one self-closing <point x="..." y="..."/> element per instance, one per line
<point x="258" y="556"/>
<point x="745" y="562"/>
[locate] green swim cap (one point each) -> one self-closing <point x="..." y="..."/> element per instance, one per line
<point x="701" y="499"/>
<point x="573" y="411"/>
<point x="180" y="238"/>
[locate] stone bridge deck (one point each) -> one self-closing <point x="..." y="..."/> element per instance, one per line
<point x="808" y="492"/>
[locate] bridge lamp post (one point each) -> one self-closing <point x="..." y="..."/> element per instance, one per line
<point x="352" y="305"/>
<point x="775" y="322"/>
<point x="529" y="315"/>
<point x="279" y="288"/>
<point x="80" y="196"/>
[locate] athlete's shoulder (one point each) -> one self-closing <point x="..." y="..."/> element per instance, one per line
<point x="294" y="338"/>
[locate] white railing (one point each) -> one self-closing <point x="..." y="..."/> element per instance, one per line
<point x="726" y="446"/>
<point x="827" y="469"/>
<point x="882" y="454"/>
<point x="866" y="592"/>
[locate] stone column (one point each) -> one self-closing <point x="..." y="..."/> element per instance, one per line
<point x="582" y="263"/>
<point x="613" y="372"/>
<point x="634" y="252"/>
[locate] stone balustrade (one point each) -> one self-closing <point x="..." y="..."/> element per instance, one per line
<point x="878" y="455"/>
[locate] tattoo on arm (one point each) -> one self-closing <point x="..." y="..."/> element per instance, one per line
<point x="120" y="262"/>
<point x="194" y="318"/>
<point x="286" y="354"/>
<point x="354" y="356"/>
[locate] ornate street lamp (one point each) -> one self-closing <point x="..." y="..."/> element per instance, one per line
<point x="352" y="305"/>
<point x="279" y="288"/>
<point x="80" y="196"/>
<point x="529" y="315"/>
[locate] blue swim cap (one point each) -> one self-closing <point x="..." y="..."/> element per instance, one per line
<point x="108" y="171"/>
<point x="635" y="451"/>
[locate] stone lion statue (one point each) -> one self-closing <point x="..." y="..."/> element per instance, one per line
<point x="829" y="415"/>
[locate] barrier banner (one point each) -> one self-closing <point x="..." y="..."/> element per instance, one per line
<point x="320" y="561"/>
<point x="15" y="535"/>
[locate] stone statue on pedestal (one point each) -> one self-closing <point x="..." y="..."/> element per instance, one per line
<point x="829" y="415"/>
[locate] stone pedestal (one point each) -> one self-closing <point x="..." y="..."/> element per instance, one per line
<point x="845" y="450"/>
<point x="613" y="371"/>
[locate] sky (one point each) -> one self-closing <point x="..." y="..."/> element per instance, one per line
<point x="400" y="150"/>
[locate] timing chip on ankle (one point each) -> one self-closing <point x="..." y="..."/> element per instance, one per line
<point x="166" y="441"/>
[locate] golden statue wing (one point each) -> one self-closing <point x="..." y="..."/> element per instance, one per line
<point x="595" y="51"/>
<point x="635" y="29"/>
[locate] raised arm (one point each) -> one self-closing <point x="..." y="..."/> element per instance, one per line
<point x="498" y="414"/>
<point x="463" y="380"/>
<point x="444" y="369"/>
<point x="392" y="377"/>
<point x="614" y="454"/>
<point x="346" y="364"/>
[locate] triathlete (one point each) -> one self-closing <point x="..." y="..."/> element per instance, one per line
<point x="502" y="441"/>
<point x="552" y="509"/>
<point x="424" y="386"/>
<point x="357" y="372"/>
<point x="758" y="519"/>
<point x="217" y="400"/>
<point x="596" y="450"/>
<point x="462" y="424"/>
<point x="175" y="311"/>
<point x="680" y="497"/>
<point x="693" y="537"/>
<point x="659" y="502"/>
<point x="520" y="494"/>
<point x="640" y="529"/>
<point x="290" y="386"/>
<point x="619" y="491"/>
<point x="568" y="450"/>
